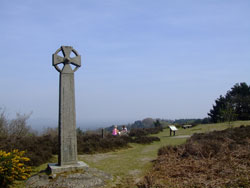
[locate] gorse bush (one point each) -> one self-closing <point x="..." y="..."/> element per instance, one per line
<point x="39" y="148"/>
<point x="13" y="167"/>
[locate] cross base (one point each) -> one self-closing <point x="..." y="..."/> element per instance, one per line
<point x="54" y="168"/>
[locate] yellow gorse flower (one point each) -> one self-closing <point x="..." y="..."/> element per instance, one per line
<point x="20" y="164"/>
<point x="12" y="166"/>
<point x="25" y="159"/>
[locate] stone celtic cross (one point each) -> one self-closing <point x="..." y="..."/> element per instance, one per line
<point x="67" y="115"/>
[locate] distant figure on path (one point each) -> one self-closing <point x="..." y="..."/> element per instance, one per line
<point x="115" y="131"/>
<point x="124" y="130"/>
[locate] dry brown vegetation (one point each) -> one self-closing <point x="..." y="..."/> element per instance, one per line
<point x="216" y="159"/>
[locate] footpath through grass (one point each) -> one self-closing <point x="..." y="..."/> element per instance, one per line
<point x="129" y="165"/>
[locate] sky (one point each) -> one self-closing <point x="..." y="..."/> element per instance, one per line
<point x="140" y="58"/>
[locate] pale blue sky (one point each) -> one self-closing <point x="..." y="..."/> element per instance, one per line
<point x="140" y="58"/>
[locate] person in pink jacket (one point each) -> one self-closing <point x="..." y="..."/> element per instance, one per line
<point x="115" y="131"/>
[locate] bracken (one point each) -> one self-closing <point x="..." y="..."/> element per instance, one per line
<point x="216" y="159"/>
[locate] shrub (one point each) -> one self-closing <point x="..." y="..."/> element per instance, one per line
<point x="154" y="130"/>
<point x="145" y="131"/>
<point x="138" y="132"/>
<point x="12" y="167"/>
<point x="16" y="134"/>
<point x="94" y="143"/>
<point x="39" y="148"/>
<point x="167" y="150"/>
<point x="145" y="139"/>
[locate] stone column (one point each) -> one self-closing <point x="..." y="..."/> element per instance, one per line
<point x="67" y="115"/>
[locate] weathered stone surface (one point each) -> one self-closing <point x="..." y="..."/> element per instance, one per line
<point x="67" y="122"/>
<point x="91" y="178"/>
<point x="54" y="168"/>
<point x="67" y="115"/>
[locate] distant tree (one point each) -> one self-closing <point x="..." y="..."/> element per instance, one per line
<point x="18" y="128"/>
<point x="206" y="120"/>
<point x="215" y="112"/>
<point x="148" y="122"/>
<point x="236" y="101"/>
<point x="137" y="124"/>
<point x="228" y="114"/>
<point x="3" y="123"/>
<point x="157" y="123"/>
<point x="79" y="132"/>
<point x="187" y="121"/>
<point x="53" y="132"/>
<point x="239" y="96"/>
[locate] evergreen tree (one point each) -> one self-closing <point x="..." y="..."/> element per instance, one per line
<point x="238" y="99"/>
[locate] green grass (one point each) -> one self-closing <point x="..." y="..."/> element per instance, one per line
<point x="211" y="127"/>
<point x="128" y="165"/>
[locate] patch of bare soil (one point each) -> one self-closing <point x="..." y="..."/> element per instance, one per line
<point x="145" y="159"/>
<point x="216" y="159"/>
<point x="182" y="136"/>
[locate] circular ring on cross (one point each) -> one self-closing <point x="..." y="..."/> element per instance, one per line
<point x="70" y="57"/>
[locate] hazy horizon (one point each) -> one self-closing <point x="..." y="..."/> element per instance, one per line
<point x="40" y="124"/>
<point x="164" y="59"/>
